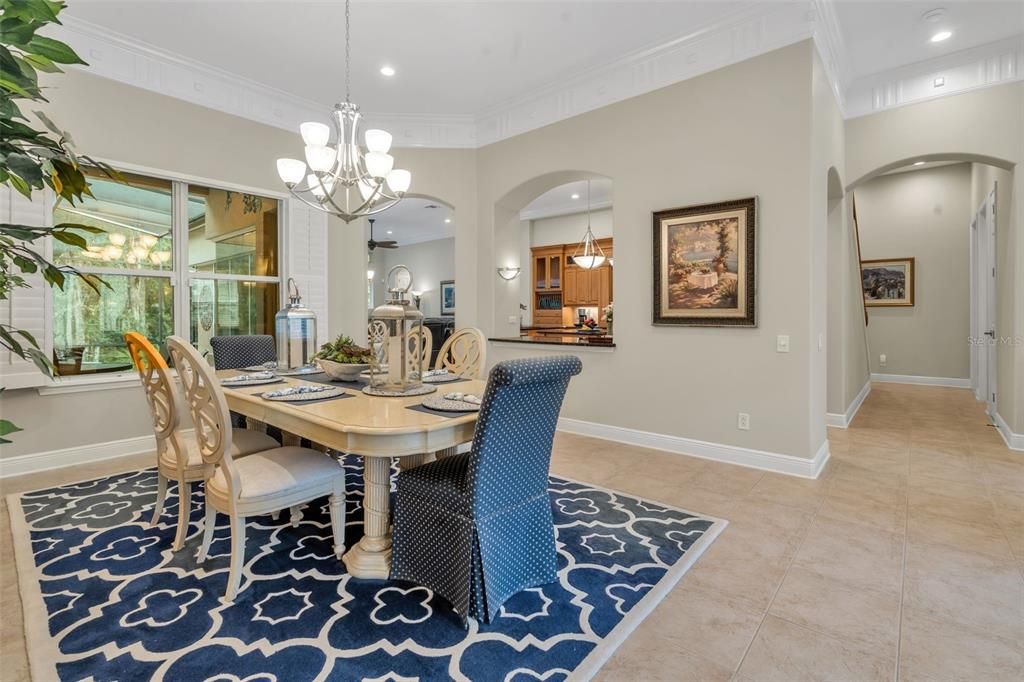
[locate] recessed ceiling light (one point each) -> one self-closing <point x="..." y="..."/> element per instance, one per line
<point x="575" y="196"/>
<point x="447" y="220"/>
<point x="916" y="163"/>
<point x="941" y="35"/>
<point x="939" y="82"/>
<point x="387" y="71"/>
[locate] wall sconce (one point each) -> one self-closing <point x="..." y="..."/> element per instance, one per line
<point x="369" y="274"/>
<point x="508" y="273"/>
<point x="416" y="297"/>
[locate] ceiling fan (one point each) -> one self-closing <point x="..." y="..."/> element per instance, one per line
<point x="383" y="244"/>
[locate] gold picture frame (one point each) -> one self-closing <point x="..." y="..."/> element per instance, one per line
<point x="888" y="282"/>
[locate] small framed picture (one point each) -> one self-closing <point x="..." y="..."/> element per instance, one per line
<point x="448" y="297"/>
<point x="887" y="282"/>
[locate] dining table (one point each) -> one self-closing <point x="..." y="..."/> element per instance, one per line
<point x="377" y="429"/>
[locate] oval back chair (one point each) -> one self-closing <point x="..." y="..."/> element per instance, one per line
<point x="419" y="344"/>
<point x="464" y="353"/>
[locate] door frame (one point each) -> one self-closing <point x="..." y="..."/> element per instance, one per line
<point x="983" y="302"/>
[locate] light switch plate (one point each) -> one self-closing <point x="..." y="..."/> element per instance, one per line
<point x="782" y="344"/>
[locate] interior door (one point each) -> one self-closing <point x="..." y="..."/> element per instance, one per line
<point x="991" y="331"/>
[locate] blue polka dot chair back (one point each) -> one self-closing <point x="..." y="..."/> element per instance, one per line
<point x="236" y="352"/>
<point x="476" y="527"/>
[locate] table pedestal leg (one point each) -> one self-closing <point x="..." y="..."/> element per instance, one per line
<point x="371" y="556"/>
<point x="447" y="452"/>
<point x="289" y="439"/>
<point x="255" y="425"/>
<point x="413" y="461"/>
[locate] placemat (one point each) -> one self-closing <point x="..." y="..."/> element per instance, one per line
<point x="311" y="400"/>
<point x="439" y="413"/>
<point x="247" y="385"/>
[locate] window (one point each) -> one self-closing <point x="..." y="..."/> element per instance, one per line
<point x="177" y="258"/>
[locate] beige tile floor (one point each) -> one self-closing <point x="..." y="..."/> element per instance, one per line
<point x="905" y="560"/>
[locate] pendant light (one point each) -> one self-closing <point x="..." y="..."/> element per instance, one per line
<point x="588" y="254"/>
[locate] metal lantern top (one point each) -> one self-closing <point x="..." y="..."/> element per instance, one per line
<point x="404" y="325"/>
<point x="295" y="327"/>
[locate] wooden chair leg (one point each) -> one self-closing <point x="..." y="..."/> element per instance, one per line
<point x="161" y="495"/>
<point x="184" y="510"/>
<point x="337" y="506"/>
<point x="209" y="521"/>
<point x="237" y="556"/>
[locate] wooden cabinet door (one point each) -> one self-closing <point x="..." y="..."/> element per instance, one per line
<point x="604" y="293"/>
<point x="570" y="291"/>
<point x="593" y="285"/>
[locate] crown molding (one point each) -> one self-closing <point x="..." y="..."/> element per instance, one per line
<point x="971" y="69"/>
<point x="752" y="30"/>
<point x="132" y="62"/>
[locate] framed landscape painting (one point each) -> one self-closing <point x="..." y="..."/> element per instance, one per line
<point x="704" y="258"/>
<point x="887" y="283"/>
<point x="448" y="297"/>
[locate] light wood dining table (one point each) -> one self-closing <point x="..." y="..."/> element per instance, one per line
<point x="375" y="428"/>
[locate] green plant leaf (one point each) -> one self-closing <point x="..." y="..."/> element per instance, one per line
<point x="7" y="428"/>
<point x="54" y="50"/>
<point x="70" y="238"/>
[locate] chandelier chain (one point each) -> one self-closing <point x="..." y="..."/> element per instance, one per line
<point x="348" y="52"/>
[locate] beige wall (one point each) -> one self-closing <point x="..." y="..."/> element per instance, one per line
<point x="748" y="137"/>
<point x="926" y="215"/>
<point x="430" y="263"/>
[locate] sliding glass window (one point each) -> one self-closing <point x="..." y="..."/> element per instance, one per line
<point x="176" y="258"/>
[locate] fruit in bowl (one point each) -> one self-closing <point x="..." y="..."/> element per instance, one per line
<point x="342" y="359"/>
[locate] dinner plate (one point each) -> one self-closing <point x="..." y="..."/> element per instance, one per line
<point x="444" y="405"/>
<point x="315" y="394"/>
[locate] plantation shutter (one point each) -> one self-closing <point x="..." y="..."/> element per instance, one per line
<point x="27" y="309"/>
<point x="306" y="236"/>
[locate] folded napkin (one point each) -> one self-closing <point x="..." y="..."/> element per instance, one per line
<point x="464" y="397"/>
<point x="297" y="390"/>
<point x="435" y="373"/>
<point x="242" y="378"/>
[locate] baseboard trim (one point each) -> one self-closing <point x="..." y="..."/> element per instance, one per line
<point x="730" y="454"/>
<point x="34" y="462"/>
<point x="842" y="421"/>
<point x="1014" y="441"/>
<point x="950" y="382"/>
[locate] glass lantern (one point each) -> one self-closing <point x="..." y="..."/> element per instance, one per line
<point x="295" y="327"/>
<point x="402" y="321"/>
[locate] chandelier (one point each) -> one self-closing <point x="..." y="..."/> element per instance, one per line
<point x="588" y="254"/>
<point x="344" y="178"/>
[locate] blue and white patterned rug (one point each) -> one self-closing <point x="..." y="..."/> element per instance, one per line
<point x="106" y="599"/>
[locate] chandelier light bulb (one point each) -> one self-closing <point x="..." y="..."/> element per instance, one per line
<point x="378" y="140"/>
<point x="319" y="158"/>
<point x="315" y="133"/>
<point x="378" y="164"/>
<point x="399" y="180"/>
<point x="291" y="171"/>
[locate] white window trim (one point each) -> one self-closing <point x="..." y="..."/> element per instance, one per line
<point x="127" y="379"/>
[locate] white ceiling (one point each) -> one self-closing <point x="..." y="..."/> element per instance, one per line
<point x="880" y="35"/>
<point x="559" y="201"/>
<point x="471" y="73"/>
<point x="450" y="57"/>
<point x="411" y="221"/>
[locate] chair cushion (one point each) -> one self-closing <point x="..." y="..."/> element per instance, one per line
<point x="444" y="482"/>
<point x="277" y="471"/>
<point x="243" y="442"/>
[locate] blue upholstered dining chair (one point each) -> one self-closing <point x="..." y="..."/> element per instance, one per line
<point x="236" y="352"/>
<point x="476" y="528"/>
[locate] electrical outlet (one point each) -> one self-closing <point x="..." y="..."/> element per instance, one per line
<point x="782" y="344"/>
<point x="743" y="421"/>
<point x="881" y="360"/>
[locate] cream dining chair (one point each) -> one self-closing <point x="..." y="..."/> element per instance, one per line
<point x="464" y="353"/>
<point x="419" y="343"/>
<point x="261" y="483"/>
<point x="177" y="451"/>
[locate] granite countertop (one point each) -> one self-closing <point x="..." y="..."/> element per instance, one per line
<point x="569" y="339"/>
